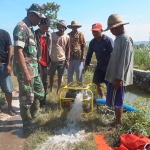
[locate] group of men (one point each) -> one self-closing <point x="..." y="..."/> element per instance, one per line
<point x="40" y="53"/>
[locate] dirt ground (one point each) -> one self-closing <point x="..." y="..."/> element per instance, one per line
<point x="11" y="133"/>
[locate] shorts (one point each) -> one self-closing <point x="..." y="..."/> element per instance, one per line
<point x="115" y="98"/>
<point x="59" y="66"/>
<point x="5" y="80"/>
<point x="99" y="75"/>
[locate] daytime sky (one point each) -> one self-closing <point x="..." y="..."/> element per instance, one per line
<point x="86" y="12"/>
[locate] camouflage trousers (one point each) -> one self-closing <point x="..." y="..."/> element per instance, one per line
<point x="27" y="94"/>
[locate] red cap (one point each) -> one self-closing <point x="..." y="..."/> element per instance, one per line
<point x="96" y="27"/>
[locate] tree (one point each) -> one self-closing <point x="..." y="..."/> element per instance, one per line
<point x="50" y="11"/>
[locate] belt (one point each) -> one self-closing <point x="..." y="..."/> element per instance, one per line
<point x="2" y="63"/>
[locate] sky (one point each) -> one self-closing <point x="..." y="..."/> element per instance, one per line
<point x="86" y="13"/>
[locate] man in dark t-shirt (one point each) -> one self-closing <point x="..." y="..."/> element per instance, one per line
<point x="5" y="68"/>
<point x="102" y="45"/>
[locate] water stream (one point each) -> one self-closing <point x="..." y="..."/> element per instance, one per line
<point x="72" y="133"/>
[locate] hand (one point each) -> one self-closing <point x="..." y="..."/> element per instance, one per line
<point x="82" y="59"/>
<point x="67" y="64"/>
<point x="8" y="69"/>
<point x="48" y="66"/>
<point x="27" y="79"/>
<point x="117" y="83"/>
<point x="84" y="69"/>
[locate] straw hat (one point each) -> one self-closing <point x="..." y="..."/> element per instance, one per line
<point x="74" y="24"/>
<point x="114" y="20"/>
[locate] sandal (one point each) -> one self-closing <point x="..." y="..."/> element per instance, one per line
<point x="11" y="112"/>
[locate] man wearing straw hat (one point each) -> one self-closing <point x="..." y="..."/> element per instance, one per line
<point x="77" y="46"/>
<point x="120" y="68"/>
<point x="31" y="89"/>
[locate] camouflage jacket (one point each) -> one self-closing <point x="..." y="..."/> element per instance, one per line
<point x="24" y="37"/>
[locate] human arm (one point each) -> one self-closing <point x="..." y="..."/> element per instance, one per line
<point x="21" y="61"/>
<point x="9" y="54"/>
<point x="82" y="53"/>
<point x="20" y="38"/>
<point x="110" y="45"/>
<point x="9" y="61"/>
<point x="83" y="44"/>
<point x="49" y="48"/>
<point x="88" y="56"/>
<point x="67" y="53"/>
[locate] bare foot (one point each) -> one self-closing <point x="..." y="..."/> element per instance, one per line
<point x="11" y="111"/>
<point x="103" y="97"/>
<point x="50" y="89"/>
<point x="58" y="91"/>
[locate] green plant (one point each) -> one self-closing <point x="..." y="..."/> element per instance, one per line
<point x="142" y="58"/>
<point x="2" y="98"/>
<point x="51" y="12"/>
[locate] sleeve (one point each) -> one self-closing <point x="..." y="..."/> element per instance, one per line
<point x="19" y="36"/>
<point x="89" y="54"/>
<point x="82" y="40"/>
<point x="50" y="47"/>
<point x="110" y="45"/>
<point x="68" y="42"/>
<point x="8" y="39"/>
<point x="125" y="59"/>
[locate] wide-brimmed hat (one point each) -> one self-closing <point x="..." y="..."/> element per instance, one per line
<point x="62" y="22"/>
<point x="114" y="20"/>
<point x="74" y="24"/>
<point x="37" y="9"/>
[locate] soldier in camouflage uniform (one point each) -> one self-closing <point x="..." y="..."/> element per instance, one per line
<point x="26" y="66"/>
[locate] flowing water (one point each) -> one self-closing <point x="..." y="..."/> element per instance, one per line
<point x="72" y="133"/>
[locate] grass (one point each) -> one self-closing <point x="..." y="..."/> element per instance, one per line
<point x="53" y="118"/>
<point x="96" y="122"/>
<point x="142" y="58"/>
<point x="2" y="98"/>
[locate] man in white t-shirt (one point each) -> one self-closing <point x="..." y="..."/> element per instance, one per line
<point x="60" y="53"/>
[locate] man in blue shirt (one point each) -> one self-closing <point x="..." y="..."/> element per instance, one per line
<point x="102" y="45"/>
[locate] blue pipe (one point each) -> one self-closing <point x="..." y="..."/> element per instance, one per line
<point x="125" y="106"/>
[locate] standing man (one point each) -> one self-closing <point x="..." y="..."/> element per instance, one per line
<point x="120" y="68"/>
<point x="6" y="68"/>
<point x="77" y="47"/>
<point x="44" y="43"/>
<point x="25" y="59"/>
<point x="60" y="54"/>
<point x="102" y="45"/>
